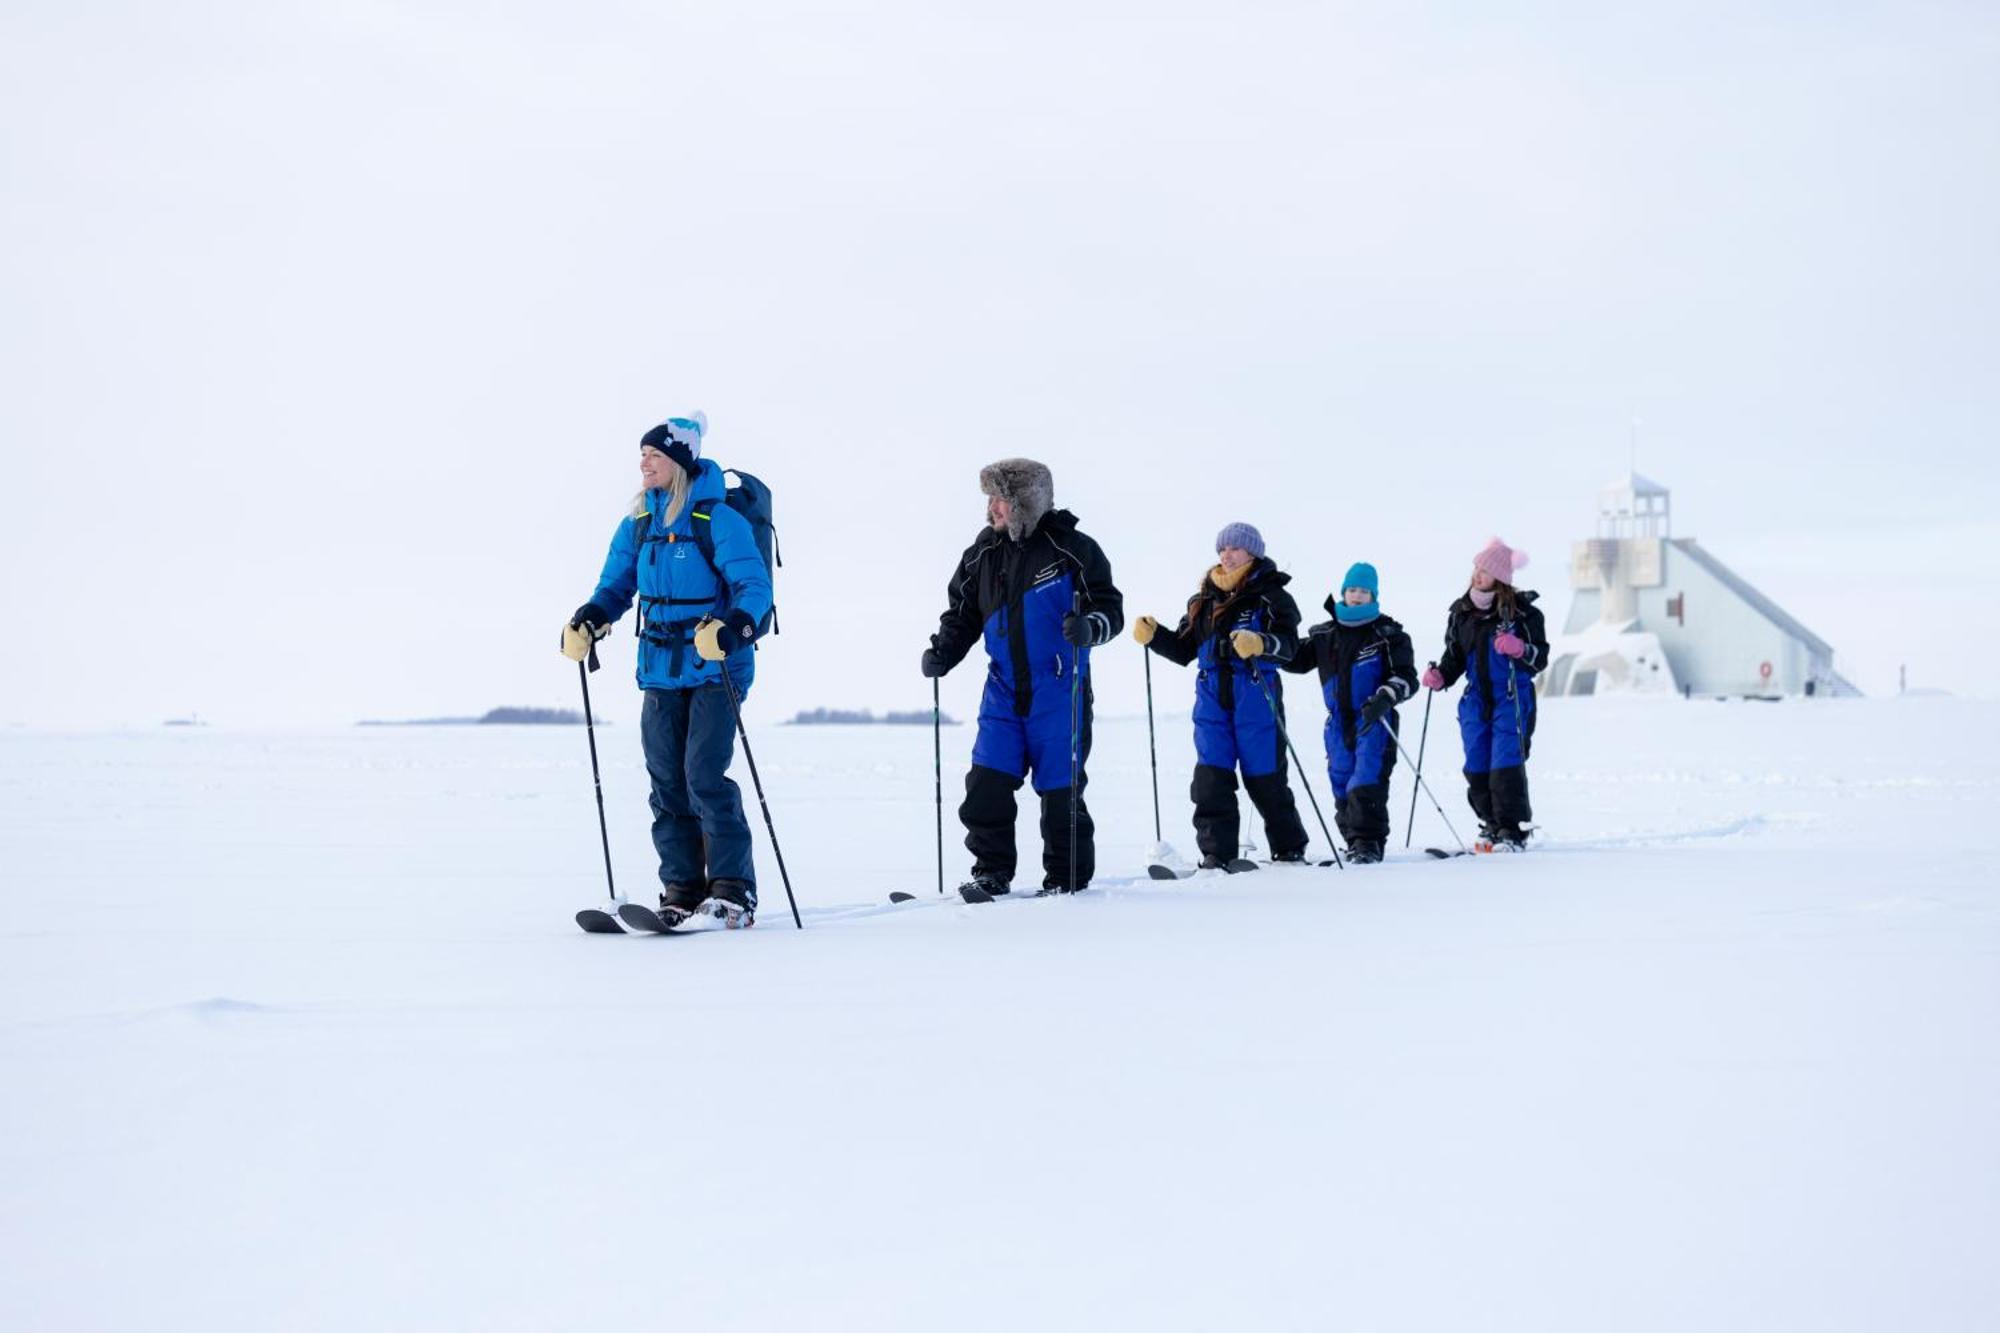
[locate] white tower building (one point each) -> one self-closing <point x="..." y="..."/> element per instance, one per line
<point x="1655" y="613"/>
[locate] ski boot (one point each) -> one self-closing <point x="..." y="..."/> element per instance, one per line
<point x="1364" y="853"/>
<point x="733" y="903"/>
<point x="1512" y="838"/>
<point x="1288" y="858"/>
<point x="678" y="902"/>
<point x="1488" y="835"/>
<point x="1215" y="862"/>
<point x="1052" y="885"/>
<point x="983" y="888"/>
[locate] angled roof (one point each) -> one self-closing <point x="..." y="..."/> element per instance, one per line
<point x="1767" y="608"/>
<point x="1636" y="484"/>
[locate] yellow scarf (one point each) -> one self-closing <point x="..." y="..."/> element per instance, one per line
<point x="1226" y="581"/>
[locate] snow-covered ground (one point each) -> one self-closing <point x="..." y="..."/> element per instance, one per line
<point x="297" y="1034"/>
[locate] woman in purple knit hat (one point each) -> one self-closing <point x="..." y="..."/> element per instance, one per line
<point x="1239" y="628"/>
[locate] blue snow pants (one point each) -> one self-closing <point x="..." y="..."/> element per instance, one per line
<point x="1007" y="749"/>
<point x="1496" y="747"/>
<point x="689" y="736"/>
<point x="1244" y="735"/>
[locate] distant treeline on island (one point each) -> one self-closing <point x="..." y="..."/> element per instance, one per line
<point x="516" y="717"/>
<point x="849" y="717"/>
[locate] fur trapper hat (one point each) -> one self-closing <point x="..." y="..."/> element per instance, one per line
<point x="1027" y="486"/>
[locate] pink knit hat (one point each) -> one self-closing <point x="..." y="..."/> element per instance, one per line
<point x="1500" y="560"/>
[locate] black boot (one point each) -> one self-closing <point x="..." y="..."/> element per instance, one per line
<point x="680" y="901"/>
<point x="1364" y="853"/>
<point x="989" y="886"/>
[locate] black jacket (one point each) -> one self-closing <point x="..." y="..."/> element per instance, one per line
<point x="1259" y="602"/>
<point x="995" y="574"/>
<point x="1468" y="635"/>
<point x="1333" y="649"/>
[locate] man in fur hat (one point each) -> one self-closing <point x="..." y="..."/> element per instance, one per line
<point x="1018" y="587"/>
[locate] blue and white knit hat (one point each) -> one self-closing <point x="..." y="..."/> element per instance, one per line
<point x="1243" y="535"/>
<point x="679" y="438"/>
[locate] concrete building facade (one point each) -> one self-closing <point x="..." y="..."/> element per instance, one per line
<point x="1653" y="612"/>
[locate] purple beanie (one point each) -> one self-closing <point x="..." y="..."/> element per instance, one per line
<point x="1243" y="535"/>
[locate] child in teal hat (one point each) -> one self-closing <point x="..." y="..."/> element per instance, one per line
<point x="1366" y="667"/>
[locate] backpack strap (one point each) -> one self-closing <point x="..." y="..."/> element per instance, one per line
<point x="703" y="516"/>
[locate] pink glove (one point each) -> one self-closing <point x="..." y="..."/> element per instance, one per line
<point x="1507" y="645"/>
<point x="1433" y="678"/>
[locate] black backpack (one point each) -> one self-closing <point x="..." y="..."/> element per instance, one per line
<point x="751" y="498"/>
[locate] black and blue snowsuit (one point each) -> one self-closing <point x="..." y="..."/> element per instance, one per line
<point x="687" y="727"/>
<point x="1014" y="594"/>
<point x="1234" y="726"/>
<point x="1354" y="661"/>
<point x="1496" y="714"/>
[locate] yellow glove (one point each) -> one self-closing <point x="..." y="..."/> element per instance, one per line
<point x="1248" y="643"/>
<point x="1144" y="628"/>
<point x="586" y="627"/>
<point x="708" y="640"/>
<point x="577" y="638"/>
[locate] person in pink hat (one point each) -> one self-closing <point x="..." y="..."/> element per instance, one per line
<point x="1495" y="640"/>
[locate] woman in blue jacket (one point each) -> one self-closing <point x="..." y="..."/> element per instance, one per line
<point x="702" y="588"/>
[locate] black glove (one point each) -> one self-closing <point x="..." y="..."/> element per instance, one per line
<point x="738" y="630"/>
<point x="717" y="639"/>
<point x="933" y="664"/>
<point x="1085" y="630"/>
<point x="590" y="616"/>
<point x="1377" y="707"/>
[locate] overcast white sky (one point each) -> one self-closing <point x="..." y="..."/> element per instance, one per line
<point x="328" y="331"/>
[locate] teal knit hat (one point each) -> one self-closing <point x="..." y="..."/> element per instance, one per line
<point x="1361" y="575"/>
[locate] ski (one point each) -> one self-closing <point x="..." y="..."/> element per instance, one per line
<point x="599" y="922"/>
<point x="1236" y="867"/>
<point x="1444" y="855"/>
<point x="900" y="897"/>
<point x="972" y="893"/>
<point x="645" y="918"/>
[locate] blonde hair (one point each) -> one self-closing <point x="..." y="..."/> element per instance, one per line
<point x="678" y="486"/>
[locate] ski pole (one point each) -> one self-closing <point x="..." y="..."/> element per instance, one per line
<point x="1075" y="709"/>
<point x="736" y="707"/>
<point x="1410" y="824"/>
<point x="1152" y="746"/>
<point x="1425" y="785"/>
<point x="1298" y="763"/>
<point x="937" y="769"/>
<point x="1520" y="731"/>
<point x="590" y="730"/>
